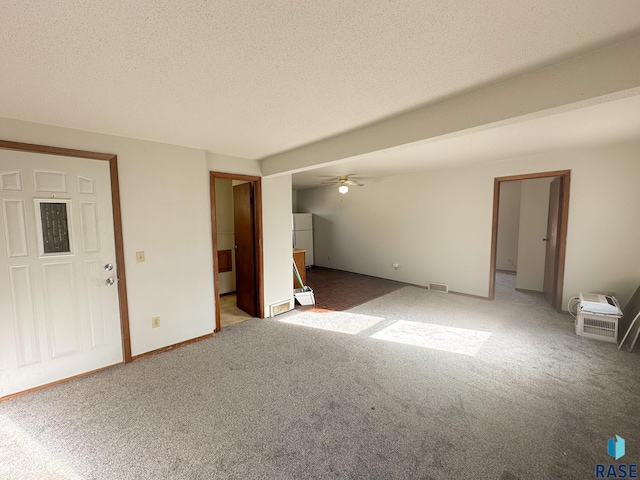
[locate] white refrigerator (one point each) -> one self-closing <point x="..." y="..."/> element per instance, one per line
<point x="303" y="235"/>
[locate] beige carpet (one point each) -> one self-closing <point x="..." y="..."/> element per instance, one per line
<point x="394" y="395"/>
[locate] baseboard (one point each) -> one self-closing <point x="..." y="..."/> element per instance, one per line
<point x="319" y="267"/>
<point x="450" y="291"/>
<point x="57" y="382"/>
<point x="479" y="297"/>
<point x="406" y="283"/>
<point x="524" y="290"/>
<point x="136" y="357"/>
<point x="172" y="347"/>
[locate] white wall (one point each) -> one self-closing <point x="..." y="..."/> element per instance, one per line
<point x="164" y="193"/>
<point x="508" y="226"/>
<point x="294" y="201"/>
<point x="225" y="231"/>
<point x="534" y="212"/>
<point x="228" y="164"/>
<point x="437" y="224"/>
<point x="277" y="247"/>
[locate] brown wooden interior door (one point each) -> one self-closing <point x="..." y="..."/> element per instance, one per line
<point x="551" y="256"/>
<point x="243" y="222"/>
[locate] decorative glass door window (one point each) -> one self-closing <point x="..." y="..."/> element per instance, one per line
<point x="54" y="229"/>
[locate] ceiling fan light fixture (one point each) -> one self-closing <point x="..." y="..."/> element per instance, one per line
<point x="343" y="189"/>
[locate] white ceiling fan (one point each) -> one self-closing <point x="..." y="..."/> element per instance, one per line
<point x="343" y="182"/>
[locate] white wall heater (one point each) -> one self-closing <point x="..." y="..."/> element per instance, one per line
<point x="598" y="317"/>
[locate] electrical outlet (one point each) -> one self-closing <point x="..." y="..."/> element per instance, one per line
<point x="155" y="322"/>
<point x="140" y="257"/>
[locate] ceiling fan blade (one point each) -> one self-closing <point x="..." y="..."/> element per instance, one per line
<point x="341" y="180"/>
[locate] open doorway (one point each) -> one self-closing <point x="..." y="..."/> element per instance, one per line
<point x="236" y="220"/>
<point x="536" y="262"/>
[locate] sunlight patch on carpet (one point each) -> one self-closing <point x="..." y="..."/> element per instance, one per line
<point x="438" y="337"/>
<point x="342" y="322"/>
<point x="21" y="456"/>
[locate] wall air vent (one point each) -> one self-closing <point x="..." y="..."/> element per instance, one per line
<point x="278" y="308"/>
<point x="438" y="287"/>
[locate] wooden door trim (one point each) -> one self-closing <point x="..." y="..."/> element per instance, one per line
<point x="562" y="237"/>
<point x="117" y="221"/>
<point x="214" y="246"/>
<point x="233" y="176"/>
<point x="563" y="217"/>
<point x="257" y="219"/>
<point x="530" y="176"/>
<point x="257" y="215"/>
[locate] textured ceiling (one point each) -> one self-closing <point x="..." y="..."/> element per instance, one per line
<point x="255" y="78"/>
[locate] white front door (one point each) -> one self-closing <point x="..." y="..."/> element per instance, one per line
<point x="59" y="308"/>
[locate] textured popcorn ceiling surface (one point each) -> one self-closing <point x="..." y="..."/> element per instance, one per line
<point x="254" y="78"/>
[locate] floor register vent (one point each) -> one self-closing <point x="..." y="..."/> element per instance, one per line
<point x="278" y="308"/>
<point x="438" y="287"/>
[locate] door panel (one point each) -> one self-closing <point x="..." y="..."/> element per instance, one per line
<point x="26" y="330"/>
<point x="15" y="227"/>
<point x="550" y="266"/>
<point x="58" y="317"/>
<point x="97" y="322"/>
<point x="243" y="224"/>
<point x="61" y="317"/>
<point x="89" y="227"/>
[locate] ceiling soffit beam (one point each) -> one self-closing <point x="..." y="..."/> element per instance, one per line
<point x="595" y="77"/>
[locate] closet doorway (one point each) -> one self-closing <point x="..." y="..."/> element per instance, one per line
<point x="236" y="222"/>
<point x="544" y="269"/>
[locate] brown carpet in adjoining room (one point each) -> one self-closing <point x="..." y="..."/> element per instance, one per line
<point x="338" y="291"/>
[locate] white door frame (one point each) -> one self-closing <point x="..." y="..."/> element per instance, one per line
<point x="117" y="227"/>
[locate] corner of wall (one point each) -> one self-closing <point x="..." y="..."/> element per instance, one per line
<point x="277" y="243"/>
<point x="217" y="162"/>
